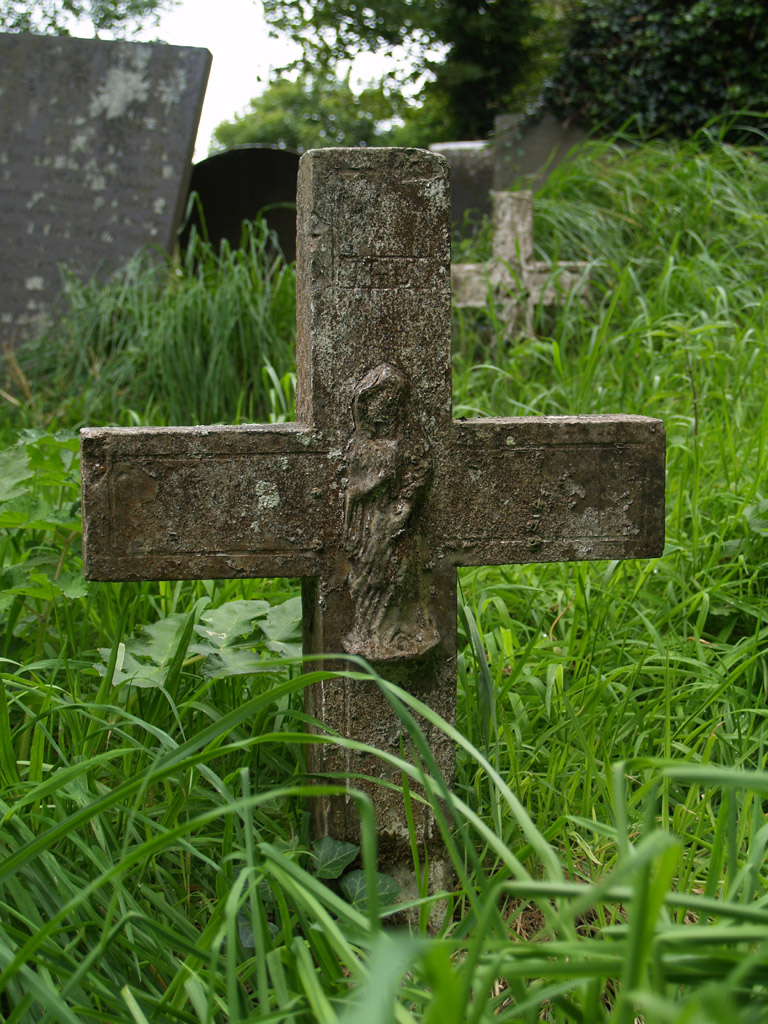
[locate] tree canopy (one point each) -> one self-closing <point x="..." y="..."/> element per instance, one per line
<point x="313" y="111"/>
<point x="319" y="110"/>
<point x="55" y="17"/>
<point x="479" y="53"/>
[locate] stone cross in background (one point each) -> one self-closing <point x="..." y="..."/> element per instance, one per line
<point x="516" y="282"/>
<point x="96" y="143"/>
<point x="375" y="494"/>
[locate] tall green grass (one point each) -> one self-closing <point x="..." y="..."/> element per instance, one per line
<point x="211" y="340"/>
<point x="607" y="824"/>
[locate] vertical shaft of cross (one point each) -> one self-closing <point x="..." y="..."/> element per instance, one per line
<point x="513" y="227"/>
<point x="374" y="375"/>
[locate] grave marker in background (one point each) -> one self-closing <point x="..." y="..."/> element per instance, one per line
<point x="96" y="142"/>
<point x="237" y="185"/>
<point x="513" y="279"/>
<point x="527" y="150"/>
<point x="471" y="165"/>
<point x="375" y="495"/>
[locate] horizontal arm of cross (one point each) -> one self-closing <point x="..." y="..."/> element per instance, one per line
<point x="549" y="488"/>
<point x="206" y="502"/>
<point x="209" y="502"/>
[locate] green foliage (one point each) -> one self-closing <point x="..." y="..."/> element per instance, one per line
<point x="313" y="111"/>
<point x="479" y="53"/>
<point x="316" y="110"/>
<point x="354" y="885"/>
<point x="39" y="528"/>
<point x="671" y="66"/>
<point x="210" y="340"/>
<point x="607" y="825"/>
<point x="55" y="17"/>
<point x="332" y="856"/>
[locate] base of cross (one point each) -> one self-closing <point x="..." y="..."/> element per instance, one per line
<point x="375" y="495"/>
<point x="383" y="750"/>
<point x="373" y="737"/>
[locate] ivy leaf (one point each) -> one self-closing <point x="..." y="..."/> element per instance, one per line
<point x="245" y="930"/>
<point x="332" y="856"/>
<point x="355" y="889"/>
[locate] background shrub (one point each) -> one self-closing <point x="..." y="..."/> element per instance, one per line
<point x="674" y="66"/>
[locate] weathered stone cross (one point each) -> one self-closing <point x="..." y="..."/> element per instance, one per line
<point x="513" y="270"/>
<point x="375" y="495"/>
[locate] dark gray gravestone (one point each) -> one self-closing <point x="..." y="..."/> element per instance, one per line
<point x="471" y="165"/>
<point x="527" y="151"/>
<point x="96" y="142"/>
<point x="240" y="185"/>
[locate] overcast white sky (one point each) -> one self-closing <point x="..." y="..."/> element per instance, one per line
<point x="235" y="33"/>
<point x="243" y="54"/>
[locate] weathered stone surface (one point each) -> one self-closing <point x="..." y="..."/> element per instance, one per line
<point x="517" y="282"/>
<point x="96" y="142"/>
<point x="376" y="494"/>
<point x="239" y="185"/>
<point x="471" y="166"/>
<point x="525" y="152"/>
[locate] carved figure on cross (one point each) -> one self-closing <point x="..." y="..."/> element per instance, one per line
<point x="389" y="471"/>
<point x="375" y="495"/>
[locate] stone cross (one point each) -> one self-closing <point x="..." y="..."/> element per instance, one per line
<point x="517" y="282"/>
<point x="375" y="494"/>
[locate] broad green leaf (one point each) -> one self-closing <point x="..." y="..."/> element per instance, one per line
<point x="13" y="578"/>
<point x="757" y="517"/>
<point x="355" y="889"/>
<point x="332" y="856"/>
<point x="230" y="662"/>
<point x="222" y="626"/>
<point x="129" y="670"/>
<point x="14" y="468"/>
<point x="72" y="584"/>
<point x="282" y="628"/>
<point x="159" y="639"/>
<point x="228" y="638"/>
<point x="36" y="578"/>
<point x="144" y="662"/>
<point x="33" y="513"/>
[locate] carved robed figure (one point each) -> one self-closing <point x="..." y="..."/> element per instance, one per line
<point x="375" y="494"/>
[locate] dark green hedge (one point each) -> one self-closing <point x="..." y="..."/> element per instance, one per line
<point x="673" y="65"/>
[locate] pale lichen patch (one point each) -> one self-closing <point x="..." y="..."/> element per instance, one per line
<point x="267" y="496"/>
<point x="171" y="91"/>
<point x="121" y="88"/>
